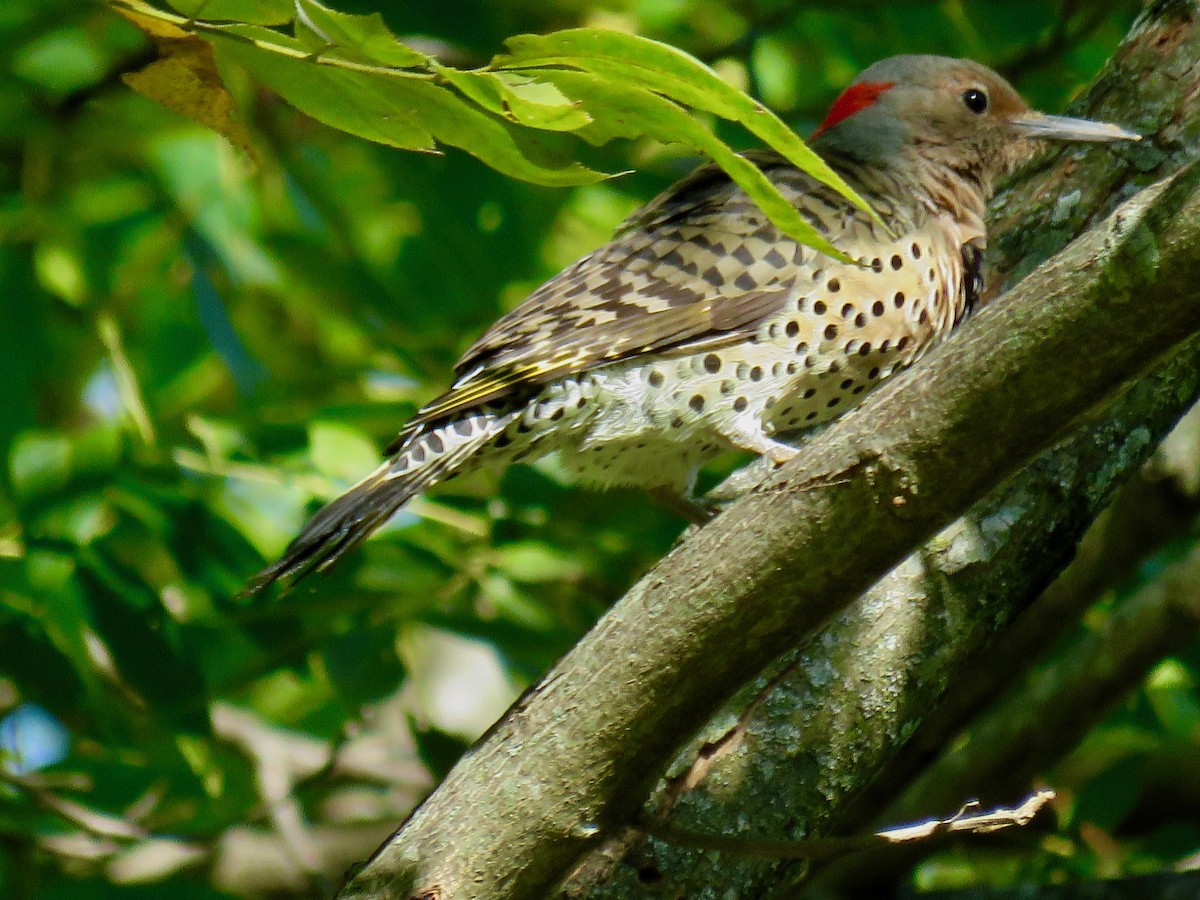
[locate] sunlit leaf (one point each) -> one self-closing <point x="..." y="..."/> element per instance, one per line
<point x="363" y="37"/>
<point x="519" y="98"/>
<point x="632" y="60"/>
<point x="534" y="561"/>
<point x="410" y="113"/>
<point x="340" y="452"/>
<point x="262" y="12"/>
<point x="40" y="462"/>
<point x="643" y="112"/>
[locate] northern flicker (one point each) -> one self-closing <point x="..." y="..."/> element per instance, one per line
<point x="701" y="328"/>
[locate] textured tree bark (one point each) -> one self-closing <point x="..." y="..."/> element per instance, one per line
<point x="931" y="765"/>
<point x="574" y="760"/>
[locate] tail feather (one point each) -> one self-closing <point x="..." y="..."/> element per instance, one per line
<point x="425" y="460"/>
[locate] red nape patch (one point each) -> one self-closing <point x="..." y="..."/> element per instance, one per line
<point x="853" y="99"/>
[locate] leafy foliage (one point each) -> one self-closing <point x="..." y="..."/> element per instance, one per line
<point x="201" y="345"/>
<point x="352" y="73"/>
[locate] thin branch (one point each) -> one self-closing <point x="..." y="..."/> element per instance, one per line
<point x="137" y="8"/>
<point x="90" y="821"/>
<point x="1144" y="517"/>
<point x="1010" y="744"/>
<point x="968" y="820"/>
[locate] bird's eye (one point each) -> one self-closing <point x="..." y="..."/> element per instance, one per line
<point x="976" y="100"/>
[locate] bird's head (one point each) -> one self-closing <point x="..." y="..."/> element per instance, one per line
<point x="953" y="110"/>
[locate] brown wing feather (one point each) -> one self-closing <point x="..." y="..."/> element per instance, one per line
<point x="677" y="276"/>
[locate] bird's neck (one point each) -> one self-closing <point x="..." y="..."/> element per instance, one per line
<point x="912" y="187"/>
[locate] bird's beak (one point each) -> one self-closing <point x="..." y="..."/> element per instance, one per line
<point x="1064" y="128"/>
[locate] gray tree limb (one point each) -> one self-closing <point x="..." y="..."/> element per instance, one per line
<point x="576" y="757"/>
<point x="1013" y="742"/>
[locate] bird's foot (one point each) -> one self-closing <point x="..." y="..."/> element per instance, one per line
<point x="697" y="512"/>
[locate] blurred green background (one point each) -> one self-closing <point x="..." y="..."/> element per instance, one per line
<point x="199" y="348"/>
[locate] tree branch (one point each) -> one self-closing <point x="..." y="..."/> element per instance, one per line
<point x="576" y="757"/>
<point x="1011" y="744"/>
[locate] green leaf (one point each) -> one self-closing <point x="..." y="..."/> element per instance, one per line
<point x="520" y="99"/>
<point x="39" y="463"/>
<point x="362" y="664"/>
<point x="643" y="112"/>
<point x="260" y="12"/>
<point x="536" y="561"/>
<point x="1109" y="797"/>
<point x="438" y="749"/>
<point x="637" y="61"/>
<point x="64" y="619"/>
<point x="140" y="645"/>
<point x="1171" y="692"/>
<point x="404" y="111"/>
<point x="340" y="452"/>
<point x="363" y="37"/>
<point x="80" y="520"/>
<point x="356" y="102"/>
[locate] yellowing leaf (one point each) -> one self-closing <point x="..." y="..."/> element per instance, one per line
<point x="185" y="79"/>
<point x="154" y="25"/>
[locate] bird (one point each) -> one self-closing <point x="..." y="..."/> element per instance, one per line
<point x="701" y="328"/>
